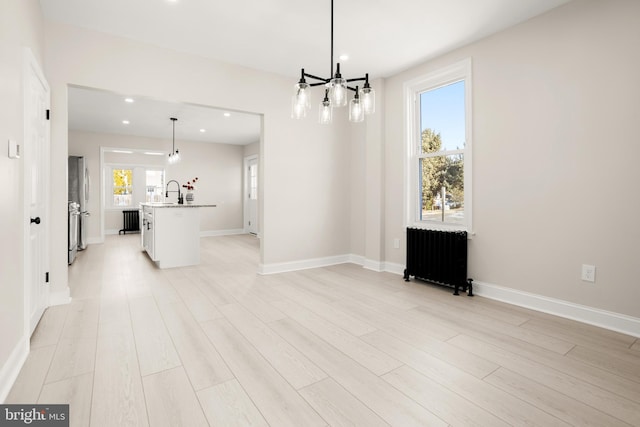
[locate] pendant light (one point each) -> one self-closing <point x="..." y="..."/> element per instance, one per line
<point x="174" y="156"/>
<point x="336" y="93"/>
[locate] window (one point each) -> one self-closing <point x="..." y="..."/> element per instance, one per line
<point x="438" y="184"/>
<point x="154" y="185"/>
<point x="129" y="185"/>
<point x="122" y="187"/>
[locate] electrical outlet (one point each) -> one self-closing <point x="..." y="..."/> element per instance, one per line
<point x="588" y="273"/>
<point x="396" y="243"/>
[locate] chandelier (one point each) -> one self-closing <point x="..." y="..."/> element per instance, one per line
<point x="335" y="93"/>
<point x="174" y="156"/>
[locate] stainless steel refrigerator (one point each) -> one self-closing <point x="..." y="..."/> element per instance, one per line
<point x="79" y="191"/>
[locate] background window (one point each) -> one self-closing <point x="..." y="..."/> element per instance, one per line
<point x="122" y="187"/>
<point x="154" y="186"/>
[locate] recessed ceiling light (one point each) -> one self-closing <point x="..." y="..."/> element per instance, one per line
<point x="129" y="100"/>
<point x="344" y="57"/>
<point x="203" y="130"/>
<point x="122" y="151"/>
<point x="149" y="153"/>
<point x="227" y="114"/>
<point x="125" y="122"/>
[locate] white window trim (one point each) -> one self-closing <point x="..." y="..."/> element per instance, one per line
<point x="108" y="205"/>
<point x="458" y="71"/>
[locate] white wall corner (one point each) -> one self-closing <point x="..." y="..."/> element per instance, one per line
<point x="12" y="367"/>
<point x="215" y="233"/>
<point x="60" y="297"/>
<point x="283" y="267"/>
<point x="593" y="316"/>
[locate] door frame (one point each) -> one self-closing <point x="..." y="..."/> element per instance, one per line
<point x="246" y="184"/>
<point x="31" y="65"/>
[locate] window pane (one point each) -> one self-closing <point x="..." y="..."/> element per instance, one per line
<point x="442" y="189"/>
<point x="154" y="185"/>
<point x="122" y="187"/>
<point x="442" y="118"/>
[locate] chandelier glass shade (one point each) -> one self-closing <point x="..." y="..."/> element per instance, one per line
<point x="174" y="156"/>
<point x="336" y="93"/>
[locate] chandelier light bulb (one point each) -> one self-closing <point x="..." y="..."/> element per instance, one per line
<point x="325" y="110"/>
<point x="356" y="110"/>
<point x="338" y="92"/>
<point x="368" y="98"/>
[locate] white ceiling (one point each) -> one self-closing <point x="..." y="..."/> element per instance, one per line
<point x="381" y="37"/>
<point x="101" y="111"/>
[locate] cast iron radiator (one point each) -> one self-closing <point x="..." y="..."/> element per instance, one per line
<point x="131" y="221"/>
<point x="438" y="257"/>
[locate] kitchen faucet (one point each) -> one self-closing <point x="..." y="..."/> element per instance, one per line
<point x="180" y="200"/>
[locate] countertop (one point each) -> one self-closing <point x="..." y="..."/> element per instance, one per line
<point x="175" y="205"/>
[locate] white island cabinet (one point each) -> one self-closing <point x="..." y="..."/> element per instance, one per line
<point x="171" y="233"/>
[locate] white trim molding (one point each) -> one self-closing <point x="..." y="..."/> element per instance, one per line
<point x="304" y="264"/>
<point x="593" y="316"/>
<point x="60" y="297"/>
<point x="215" y="233"/>
<point x="12" y="367"/>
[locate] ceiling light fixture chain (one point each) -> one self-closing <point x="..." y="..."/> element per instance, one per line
<point x="336" y="90"/>
<point x="174" y="156"/>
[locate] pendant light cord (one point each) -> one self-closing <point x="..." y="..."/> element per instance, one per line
<point x="331" y="71"/>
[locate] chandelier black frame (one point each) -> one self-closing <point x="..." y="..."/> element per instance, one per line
<point x="335" y="94"/>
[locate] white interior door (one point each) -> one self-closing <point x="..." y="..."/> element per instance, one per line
<point x="36" y="165"/>
<point x="251" y="195"/>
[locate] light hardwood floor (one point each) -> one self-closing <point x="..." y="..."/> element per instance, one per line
<point x="219" y="345"/>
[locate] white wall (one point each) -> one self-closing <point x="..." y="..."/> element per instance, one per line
<point x="304" y="166"/>
<point x="20" y="27"/>
<point x="217" y="166"/>
<point x="555" y="113"/>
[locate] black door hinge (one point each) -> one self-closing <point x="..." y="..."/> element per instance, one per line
<point x="46" y="277"/>
<point x="48" y="111"/>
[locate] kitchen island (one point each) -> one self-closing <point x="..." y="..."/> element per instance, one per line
<point x="171" y="233"/>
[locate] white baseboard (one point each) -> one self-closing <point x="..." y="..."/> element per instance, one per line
<point x="60" y="297"/>
<point x="283" y="267"/>
<point x="215" y="233"/>
<point x="593" y="316"/>
<point x="392" y="267"/>
<point x="111" y="232"/>
<point x="12" y="366"/>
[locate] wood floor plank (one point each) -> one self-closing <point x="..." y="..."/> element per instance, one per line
<point x="279" y="403"/>
<point x="551" y="401"/>
<point x="294" y="366"/>
<point x="636" y="345"/>
<point x="227" y="405"/>
<point x="339" y="407"/>
<point x="592" y="337"/>
<point x="117" y="369"/>
<point x="153" y="344"/>
<point x="73" y="356"/>
<point x="440" y="400"/>
<point x="82" y="319"/>
<point x="371" y="358"/>
<point x="465" y="321"/>
<point x="198" y="304"/>
<point x="28" y="385"/>
<point x="421" y="339"/>
<point x="50" y="327"/>
<point x="484" y="395"/>
<point x="262" y="309"/>
<point x="76" y="392"/>
<point x="603" y="400"/>
<point x="625" y="365"/>
<point x="327" y="311"/>
<point x="200" y="359"/>
<point x="171" y="401"/>
<point x="345" y="291"/>
<point x="386" y="401"/>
